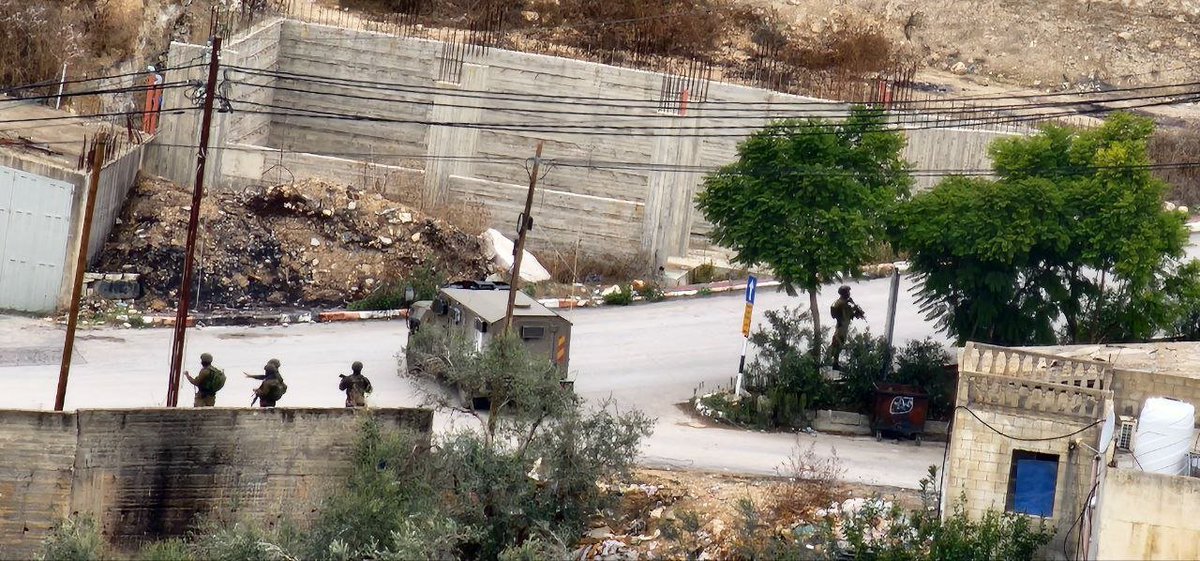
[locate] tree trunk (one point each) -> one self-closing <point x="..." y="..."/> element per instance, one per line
<point x="816" y="318"/>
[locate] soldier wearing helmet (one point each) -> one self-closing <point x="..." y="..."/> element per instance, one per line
<point x="356" y="386"/>
<point x="208" y="382"/>
<point x="844" y="310"/>
<point x="272" y="387"/>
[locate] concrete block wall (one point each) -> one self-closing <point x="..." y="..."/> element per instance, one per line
<point x="147" y="473"/>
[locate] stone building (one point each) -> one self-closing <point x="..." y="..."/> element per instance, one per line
<point x="1046" y="433"/>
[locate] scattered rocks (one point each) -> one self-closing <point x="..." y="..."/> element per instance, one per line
<point x="292" y="244"/>
<point x="959" y="68"/>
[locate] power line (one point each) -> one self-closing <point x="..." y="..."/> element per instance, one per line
<point x="765" y="113"/>
<point x="35" y="85"/>
<point x="677" y="131"/>
<point x="623" y="102"/>
<point x="637" y="166"/>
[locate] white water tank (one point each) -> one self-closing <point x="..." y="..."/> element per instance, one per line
<point x="1164" y="436"/>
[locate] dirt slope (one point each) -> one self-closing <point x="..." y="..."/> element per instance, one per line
<point x="1030" y="42"/>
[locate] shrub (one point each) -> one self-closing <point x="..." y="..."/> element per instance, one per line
<point x="874" y="529"/>
<point x="651" y="292"/>
<point x="168" y="550"/>
<point x="237" y="542"/>
<point x="924" y="364"/>
<point x="622" y="297"/>
<point x="425" y="281"/>
<point x="74" y="539"/>
<point x="861" y="368"/>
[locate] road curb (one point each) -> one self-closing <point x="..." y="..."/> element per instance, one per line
<point x="285" y="318"/>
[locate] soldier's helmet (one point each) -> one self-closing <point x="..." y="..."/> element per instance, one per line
<point x="205" y="358"/>
<point x="356" y="367"/>
<point x="270" y="368"/>
<point x="274" y="362"/>
<point x="844" y="290"/>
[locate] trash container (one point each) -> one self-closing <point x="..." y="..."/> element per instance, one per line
<point x="899" y="409"/>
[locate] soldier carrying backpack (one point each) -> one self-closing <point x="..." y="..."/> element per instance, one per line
<point x="272" y="388"/>
<point x="208" y="382"/>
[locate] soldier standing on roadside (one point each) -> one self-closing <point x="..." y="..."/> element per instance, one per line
<point x="356" y="386"/>
<point x="208" y="382"/>
<point x="272" y="388"/>
<point x="844" y="310"/>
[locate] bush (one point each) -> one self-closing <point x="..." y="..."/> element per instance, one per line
<point x="924" y="364"/>
<point x="874" y="529"/>
<point x="425" y="282"/>
<point x="622" y="297"/>
<point x="651" y="292"/>
<point x="169" y="550"/>
<point x="861" y="368"/>
<point x="74" y="539"/>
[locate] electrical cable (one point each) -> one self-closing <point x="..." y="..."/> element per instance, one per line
<point x="657" y="131"/>
<point x="398" y="86"/>
<point x="1019" y="439"/>
<point x="765" y="113"/>
<point x="6" y="91"/>
<point x="127" y="89"/>
<point x="1078" y="522"/>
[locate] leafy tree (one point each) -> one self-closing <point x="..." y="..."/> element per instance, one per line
<point x="806" y="196"/>
<point x="1071" y="242"/>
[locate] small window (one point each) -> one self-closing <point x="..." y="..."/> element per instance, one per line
<point x="533" y="332"/>
<point x="1032" y="481"/>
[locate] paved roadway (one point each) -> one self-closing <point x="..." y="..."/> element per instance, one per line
<point x="649" y="357"/>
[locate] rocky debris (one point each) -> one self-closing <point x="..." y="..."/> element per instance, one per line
<point x="500" y="251"/>
<point x="309" y="243"/>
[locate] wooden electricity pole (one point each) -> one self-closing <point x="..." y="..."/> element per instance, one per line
<point x="525" y="224"/>
<point x="185" y="286"/>
<point x="81" y="263"/>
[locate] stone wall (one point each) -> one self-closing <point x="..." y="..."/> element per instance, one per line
<point x="146" y="473"/>
<point x="1131" y="388"/>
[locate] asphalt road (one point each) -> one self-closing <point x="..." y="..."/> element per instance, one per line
<point x="650" y="357"/>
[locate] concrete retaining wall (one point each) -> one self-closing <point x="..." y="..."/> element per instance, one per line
<point x="147" y="473"/>
<point x="468" y="132"/>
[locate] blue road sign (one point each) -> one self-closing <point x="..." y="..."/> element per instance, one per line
<point x="751" y="285"/>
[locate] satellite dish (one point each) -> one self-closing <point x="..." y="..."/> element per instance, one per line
<point x="1107" y="430"/>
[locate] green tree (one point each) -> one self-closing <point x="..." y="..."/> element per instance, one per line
<point x="806" y="198"/>
<point x="1071" y="242"/>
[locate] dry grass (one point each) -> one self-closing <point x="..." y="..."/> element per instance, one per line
<point x="813" y="482"/>
<point x="569" y="265"/>
<point x="1169" y="146"/>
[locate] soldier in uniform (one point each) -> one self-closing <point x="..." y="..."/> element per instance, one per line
<point x="272" y="387"/>
<point x="206" y="395"/>
<point x="844" y="310"/>
<point x="356" y="386"/>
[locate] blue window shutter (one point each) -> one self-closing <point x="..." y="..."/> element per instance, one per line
<point x="1033" y="493"/>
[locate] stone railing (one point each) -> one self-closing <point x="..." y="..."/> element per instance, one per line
<point x="1029" y="365"/>
<point x="1037" y="396"/>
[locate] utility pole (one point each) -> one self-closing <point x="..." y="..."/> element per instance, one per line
<point x="185" y="287"/>
<point x="81" y="263"/>
<point x="526" y="223"/>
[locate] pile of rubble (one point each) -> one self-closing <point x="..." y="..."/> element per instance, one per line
<point x="309" y="243"/>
